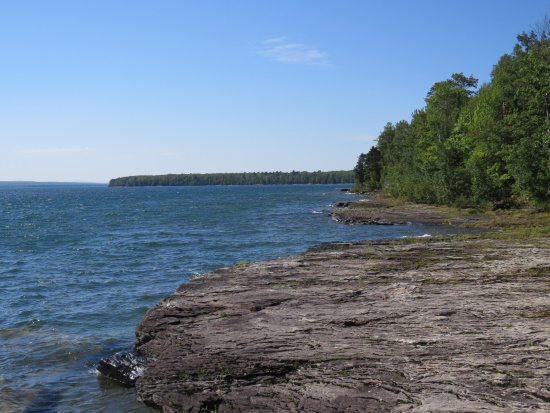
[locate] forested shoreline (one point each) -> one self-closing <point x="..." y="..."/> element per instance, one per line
<point x="246" y="178"/>
<point x="486" y="145"/>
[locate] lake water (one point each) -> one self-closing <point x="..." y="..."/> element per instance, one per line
<point x="81" y="264"/>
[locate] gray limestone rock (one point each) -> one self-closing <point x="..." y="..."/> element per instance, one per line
<point x="422" y="326"/>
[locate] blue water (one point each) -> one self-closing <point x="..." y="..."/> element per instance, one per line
<point x="81" y="264"/>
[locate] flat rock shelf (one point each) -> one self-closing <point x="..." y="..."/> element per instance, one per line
<point x="417" y="326"/>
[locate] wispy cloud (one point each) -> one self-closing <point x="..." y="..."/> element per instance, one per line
<point x="52" y="150"/>
<point x="280" y="49"/>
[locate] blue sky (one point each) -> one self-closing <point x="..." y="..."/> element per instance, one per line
<point x="94" y="90"/>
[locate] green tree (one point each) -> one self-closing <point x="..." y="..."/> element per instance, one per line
<point x="359" y="170"/>
<point x="445" y="161"/>
<point x="373" y="169"/>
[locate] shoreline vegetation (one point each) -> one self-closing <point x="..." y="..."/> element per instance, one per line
<point x="245" y="178"/>
<point x="416" y="324"/>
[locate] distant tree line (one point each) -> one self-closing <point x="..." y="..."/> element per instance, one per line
<point x="490" y="144"/>
<point x="246" y="178"/>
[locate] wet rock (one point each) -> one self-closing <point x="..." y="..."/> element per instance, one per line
<point x="356" y="219"/>
<point x="123" y="367"/>
<point x="341" y="204"/>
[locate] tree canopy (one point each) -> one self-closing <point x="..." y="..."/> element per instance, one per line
<point x="486" y="144"/>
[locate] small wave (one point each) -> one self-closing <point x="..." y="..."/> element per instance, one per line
<point x="418" y="236"/>
<point x="142" y="309"/>
<point x="318" y="212"/>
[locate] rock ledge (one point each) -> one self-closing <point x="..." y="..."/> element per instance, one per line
<point x="422" y="326"/>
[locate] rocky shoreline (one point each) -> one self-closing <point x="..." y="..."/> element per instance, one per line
<point x="388" y="212"/>
<point x="414" y="325"/>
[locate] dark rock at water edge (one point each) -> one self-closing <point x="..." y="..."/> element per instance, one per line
<point x="123" y="367"/>
<point x="341" y="204"/>
<point x="346" y="219"/>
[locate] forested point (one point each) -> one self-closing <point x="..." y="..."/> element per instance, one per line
<point x="246" y="178"/>
<point x="486" y="145"/>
